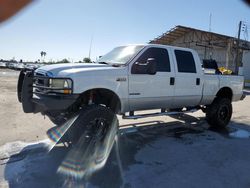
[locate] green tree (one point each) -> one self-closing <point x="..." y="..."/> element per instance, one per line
<point x="86" y="60"/>
<point x="63" y="61"/>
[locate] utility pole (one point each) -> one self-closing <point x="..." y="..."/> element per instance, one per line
<point x="238" y="49"/>
<point x="210" y="22"/>
<point x="90" y="46"/>
<point x="210" y="36"/>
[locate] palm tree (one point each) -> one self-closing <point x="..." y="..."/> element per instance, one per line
<point x="43" y="54"/>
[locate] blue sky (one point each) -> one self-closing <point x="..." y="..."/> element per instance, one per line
<point x="64" y="28"/>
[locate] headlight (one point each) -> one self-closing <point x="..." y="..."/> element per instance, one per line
<point x="61" y="85"/>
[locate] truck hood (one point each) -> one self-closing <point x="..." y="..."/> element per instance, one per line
<point x="70" y="68"/>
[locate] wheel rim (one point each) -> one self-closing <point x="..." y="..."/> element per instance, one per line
<point x="223" y="113"/>
<point x="99" y="128"/>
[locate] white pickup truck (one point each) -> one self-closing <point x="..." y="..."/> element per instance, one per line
<point x="128" y="79"/>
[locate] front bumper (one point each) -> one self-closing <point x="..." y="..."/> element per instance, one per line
<point x="46" y="103"/>
<point x="34" y="101"/>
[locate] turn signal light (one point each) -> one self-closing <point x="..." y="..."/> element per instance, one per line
<point x="66" y="91"/>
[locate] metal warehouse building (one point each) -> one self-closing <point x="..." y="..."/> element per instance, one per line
<point x="209" y="45"/>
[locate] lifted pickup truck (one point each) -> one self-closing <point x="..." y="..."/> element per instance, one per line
<point x="128" y="79"/>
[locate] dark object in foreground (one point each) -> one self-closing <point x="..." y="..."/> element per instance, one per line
<point x="10" y="7"/>
<point x="247" y="2"/>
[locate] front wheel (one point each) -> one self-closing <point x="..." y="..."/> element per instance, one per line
<point x="219" y="113"/>
<point x="95" y="120"/>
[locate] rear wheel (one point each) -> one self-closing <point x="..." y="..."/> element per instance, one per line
<point x="219" y="113"/>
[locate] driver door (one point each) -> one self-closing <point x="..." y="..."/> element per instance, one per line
<point x="152" y="91"/>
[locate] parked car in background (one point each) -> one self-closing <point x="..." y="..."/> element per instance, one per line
<point x="2" y="65"/>
<point x="11" y="65"/>
<point x="19" y="66"/>
<point x="31" y="66"/>
<point x="28" y="66"/>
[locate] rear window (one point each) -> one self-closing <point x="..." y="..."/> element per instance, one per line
<point x="185" y="61"/>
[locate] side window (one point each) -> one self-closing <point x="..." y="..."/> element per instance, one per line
<point x="185" y="61"/>
<point x="161" y="56"/>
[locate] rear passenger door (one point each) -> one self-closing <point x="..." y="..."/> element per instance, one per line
<point x="188" y="86"/>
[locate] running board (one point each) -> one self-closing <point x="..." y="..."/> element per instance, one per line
<point x="158" y="114"/>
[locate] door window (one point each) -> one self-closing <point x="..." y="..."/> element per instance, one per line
<point x="160" y="55"/>
<point x="185" y="61"/>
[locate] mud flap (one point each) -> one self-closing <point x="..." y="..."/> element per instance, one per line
<point x="20" y="85"/>
<point x="27" y="93"/>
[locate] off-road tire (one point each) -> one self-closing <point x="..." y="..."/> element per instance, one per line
<point x="90" y="117"/>
<point x="219" y="113"/>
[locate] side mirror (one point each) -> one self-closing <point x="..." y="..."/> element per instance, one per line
<point x="145" y="68"/>
<point x="151" y="66"/>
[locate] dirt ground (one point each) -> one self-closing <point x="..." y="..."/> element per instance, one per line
<point x="15" y="124"/>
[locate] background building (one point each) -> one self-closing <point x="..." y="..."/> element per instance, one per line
<point x="209" y="45"/>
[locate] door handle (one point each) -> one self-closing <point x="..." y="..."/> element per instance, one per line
<point x="172" y="80"/>
<point x="198" y="81"/>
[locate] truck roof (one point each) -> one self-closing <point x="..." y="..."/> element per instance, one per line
<point x="159" y="45"/>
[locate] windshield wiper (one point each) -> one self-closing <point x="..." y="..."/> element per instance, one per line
<point x="103" y="62"/>
<point x="117" y="65"/>
<point x="109" y="63"/>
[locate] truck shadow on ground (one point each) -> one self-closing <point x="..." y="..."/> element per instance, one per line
<point x="38" y="168"/>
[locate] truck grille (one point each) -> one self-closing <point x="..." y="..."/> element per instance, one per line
<point x="40" y="83"/>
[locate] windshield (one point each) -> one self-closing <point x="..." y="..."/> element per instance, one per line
<point x="120" y="55"/>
